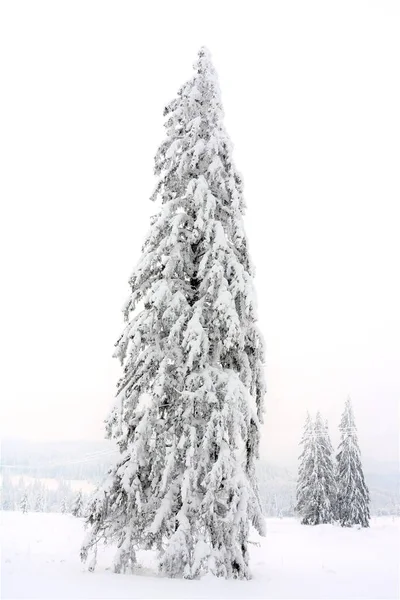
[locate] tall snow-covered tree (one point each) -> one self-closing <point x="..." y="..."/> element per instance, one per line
<point x="77" y="507"/>
<point x="316" y="489"/>
<point x="353" y="494"/>
<point x="190" y="402"/>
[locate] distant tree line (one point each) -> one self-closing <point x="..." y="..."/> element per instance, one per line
<point x="277" y="492"/>
<point x="37" y="497"/>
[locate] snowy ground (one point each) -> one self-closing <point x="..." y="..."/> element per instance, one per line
<point x="40" y="559"/>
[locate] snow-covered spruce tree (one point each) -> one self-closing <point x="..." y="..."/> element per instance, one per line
<point x="24" y="504"/>
<point x="326" y="470"/>
<point x="353" y="494"/>
<point x="316" y="484"/>
<point x="77" y="507"/>
<point x="306" y="467"/>
<point x="332" y="470"/>
<point x="190" y="401"/>
<point x="64" y="506"/>
<point x="39" y="502"/>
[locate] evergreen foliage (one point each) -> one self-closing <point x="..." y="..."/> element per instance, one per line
<point x="190" y="401"/>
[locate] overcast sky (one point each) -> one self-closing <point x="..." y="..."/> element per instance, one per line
<point x="311" y="94"/>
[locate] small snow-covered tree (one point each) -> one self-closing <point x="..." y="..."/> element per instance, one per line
<point x="291" y="508"/>
<point x="39" y="502"/>
<point x="316" y="484"/>
<point x="190" y="401"/>
<point x="7" y="492"/>
<point x="77" y="508"/>
<point x="24" y="504"/>
<point x="64" y="506"/>
<point x="353" y="494"/>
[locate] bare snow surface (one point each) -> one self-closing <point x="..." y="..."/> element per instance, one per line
<point x="40" y="559"/>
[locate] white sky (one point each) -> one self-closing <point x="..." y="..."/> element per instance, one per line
<point x="311" y="94"/>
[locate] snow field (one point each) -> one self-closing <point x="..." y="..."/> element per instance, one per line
<point x="40" y="559"/>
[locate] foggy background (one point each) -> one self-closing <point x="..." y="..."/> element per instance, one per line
<point x="311" y="94"/>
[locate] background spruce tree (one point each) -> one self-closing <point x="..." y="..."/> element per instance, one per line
<point x="39" y="502"/>
<point x="353" y="494"/>
<point x="64" y="506"/>
<point x="316" y="485"/>
<point x="24" y="504"/>
<point x="332" y="471"/>
<point x="77" y="507"/>
<point x="190" y="401"/>
<point x="306" y="467"/>
<point x="326" y="489"/>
